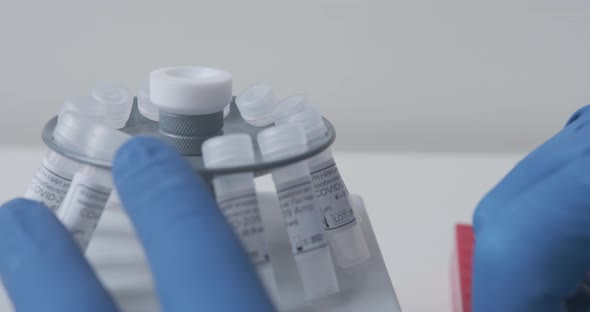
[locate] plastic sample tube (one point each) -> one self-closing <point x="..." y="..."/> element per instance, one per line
<point x="256" y="105"/>
<point x="91" y="186"/>
<point x="191" y="101"/>
<point x="85" y="202"/>
<point x="111" y="105"/>
<point x="116" y="101"/>
<point x="52" y="180"/>
<point x="300" y="213"/>
<point x="148" y="109"/>
<point x="342" y="227"/>
<point x="236" y="197"/>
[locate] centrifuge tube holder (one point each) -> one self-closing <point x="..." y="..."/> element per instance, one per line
<point x="233" y="123"/>
<point x="364" y="287"/>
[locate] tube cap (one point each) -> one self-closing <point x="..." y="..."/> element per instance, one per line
<point x="77" y="132"/>
<point x="86" y="106"/>
<point x="117" y="102"/>
<point x="282" y="141"/>
<point x="148" y="109"/>
<point x="228" y="150"/>
<point x="191" y="90"/>
<point x="297" y="109"/>
<point x="256" y="105"/>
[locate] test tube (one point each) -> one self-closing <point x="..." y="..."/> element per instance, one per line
<point x="256" y="105"/>
<point x="340" y="223"/>
<point x="300" y="213"/>
<point x="116" y="101"/>
<point x="110" y="104"/>
<point x="91" y="186"/>
<point x="236" y="197"/>
<point x="54" y="176"/>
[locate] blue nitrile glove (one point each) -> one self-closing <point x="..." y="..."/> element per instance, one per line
<point x="532" y="230"/>
<point x="197" y="262"/>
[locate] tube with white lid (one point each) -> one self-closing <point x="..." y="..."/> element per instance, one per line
<point x="342" y="227"/>
<point x="191" y="101"/>
<point x="116" y="101"/>
<point x="256" y="105"/>
<point x="300" y="213"/>
<point x="91" y="186"/>
<point x="148" y="109"/>
<point x="236" y="197"/>
<point x="53" y="178"/>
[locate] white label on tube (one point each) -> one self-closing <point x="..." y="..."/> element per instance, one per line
<point x="242" y="212"/>
<point x="301" y="215"/>
<point x="49" y="186"/>
<point x="82" y="209"/>
<point x="332" y="196"/>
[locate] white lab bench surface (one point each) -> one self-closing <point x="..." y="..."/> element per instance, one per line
<point x="412" y="200"/>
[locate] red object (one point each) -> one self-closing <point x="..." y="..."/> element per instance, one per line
<point x="461" y="268"/>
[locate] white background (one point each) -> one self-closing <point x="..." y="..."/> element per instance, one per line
<point x="433" y="100"/>
<point x="411" y="75"/>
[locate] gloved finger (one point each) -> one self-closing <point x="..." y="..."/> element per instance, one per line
<point x="580" y="116"/>
<point x="538" y="165"/>
<point x="538" y="253"/>
<point x="196" y="259"/>
<point x="42" y="267"/>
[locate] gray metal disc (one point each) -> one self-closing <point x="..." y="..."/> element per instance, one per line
<point x="233" y="123"/>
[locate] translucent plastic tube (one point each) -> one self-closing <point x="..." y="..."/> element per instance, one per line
<point x="300" y="213"/>
<point x="85" y="202"/>
<point x="256" y="105"/>
<point x="237" y="199"/>
<point x="91" y="186"/>
<point x="109" y="104"/>
<point x="340" y="223"/>
<point x="52" y="180"/>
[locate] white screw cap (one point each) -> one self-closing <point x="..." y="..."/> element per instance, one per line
<point x="117" y="102"/>
<point x="78" y="132"/>
<point x="256" y="105"/>
<point x="84" y="105"/>
<point x="297" y="109"/>
<point x="282" y="141"/>
<point x="228" y="150"/>
<point x="191" y="90"/>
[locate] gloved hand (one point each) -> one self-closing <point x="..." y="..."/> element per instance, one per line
<point x="532" y="230"/>
<point x="197" y="262"/>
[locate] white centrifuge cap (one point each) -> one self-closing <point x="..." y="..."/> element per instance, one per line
<point x="148" y="109"/>
<point x="190" y="90"/>
<point x="282" y="141"/>
<point x="117" y="101"/>
<point x="86" y="106"/>
<point x="228" y="150"/>
<point x="86" y="136"/>
<point x="297" y="109"/>
<point x="256" y="105"/>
